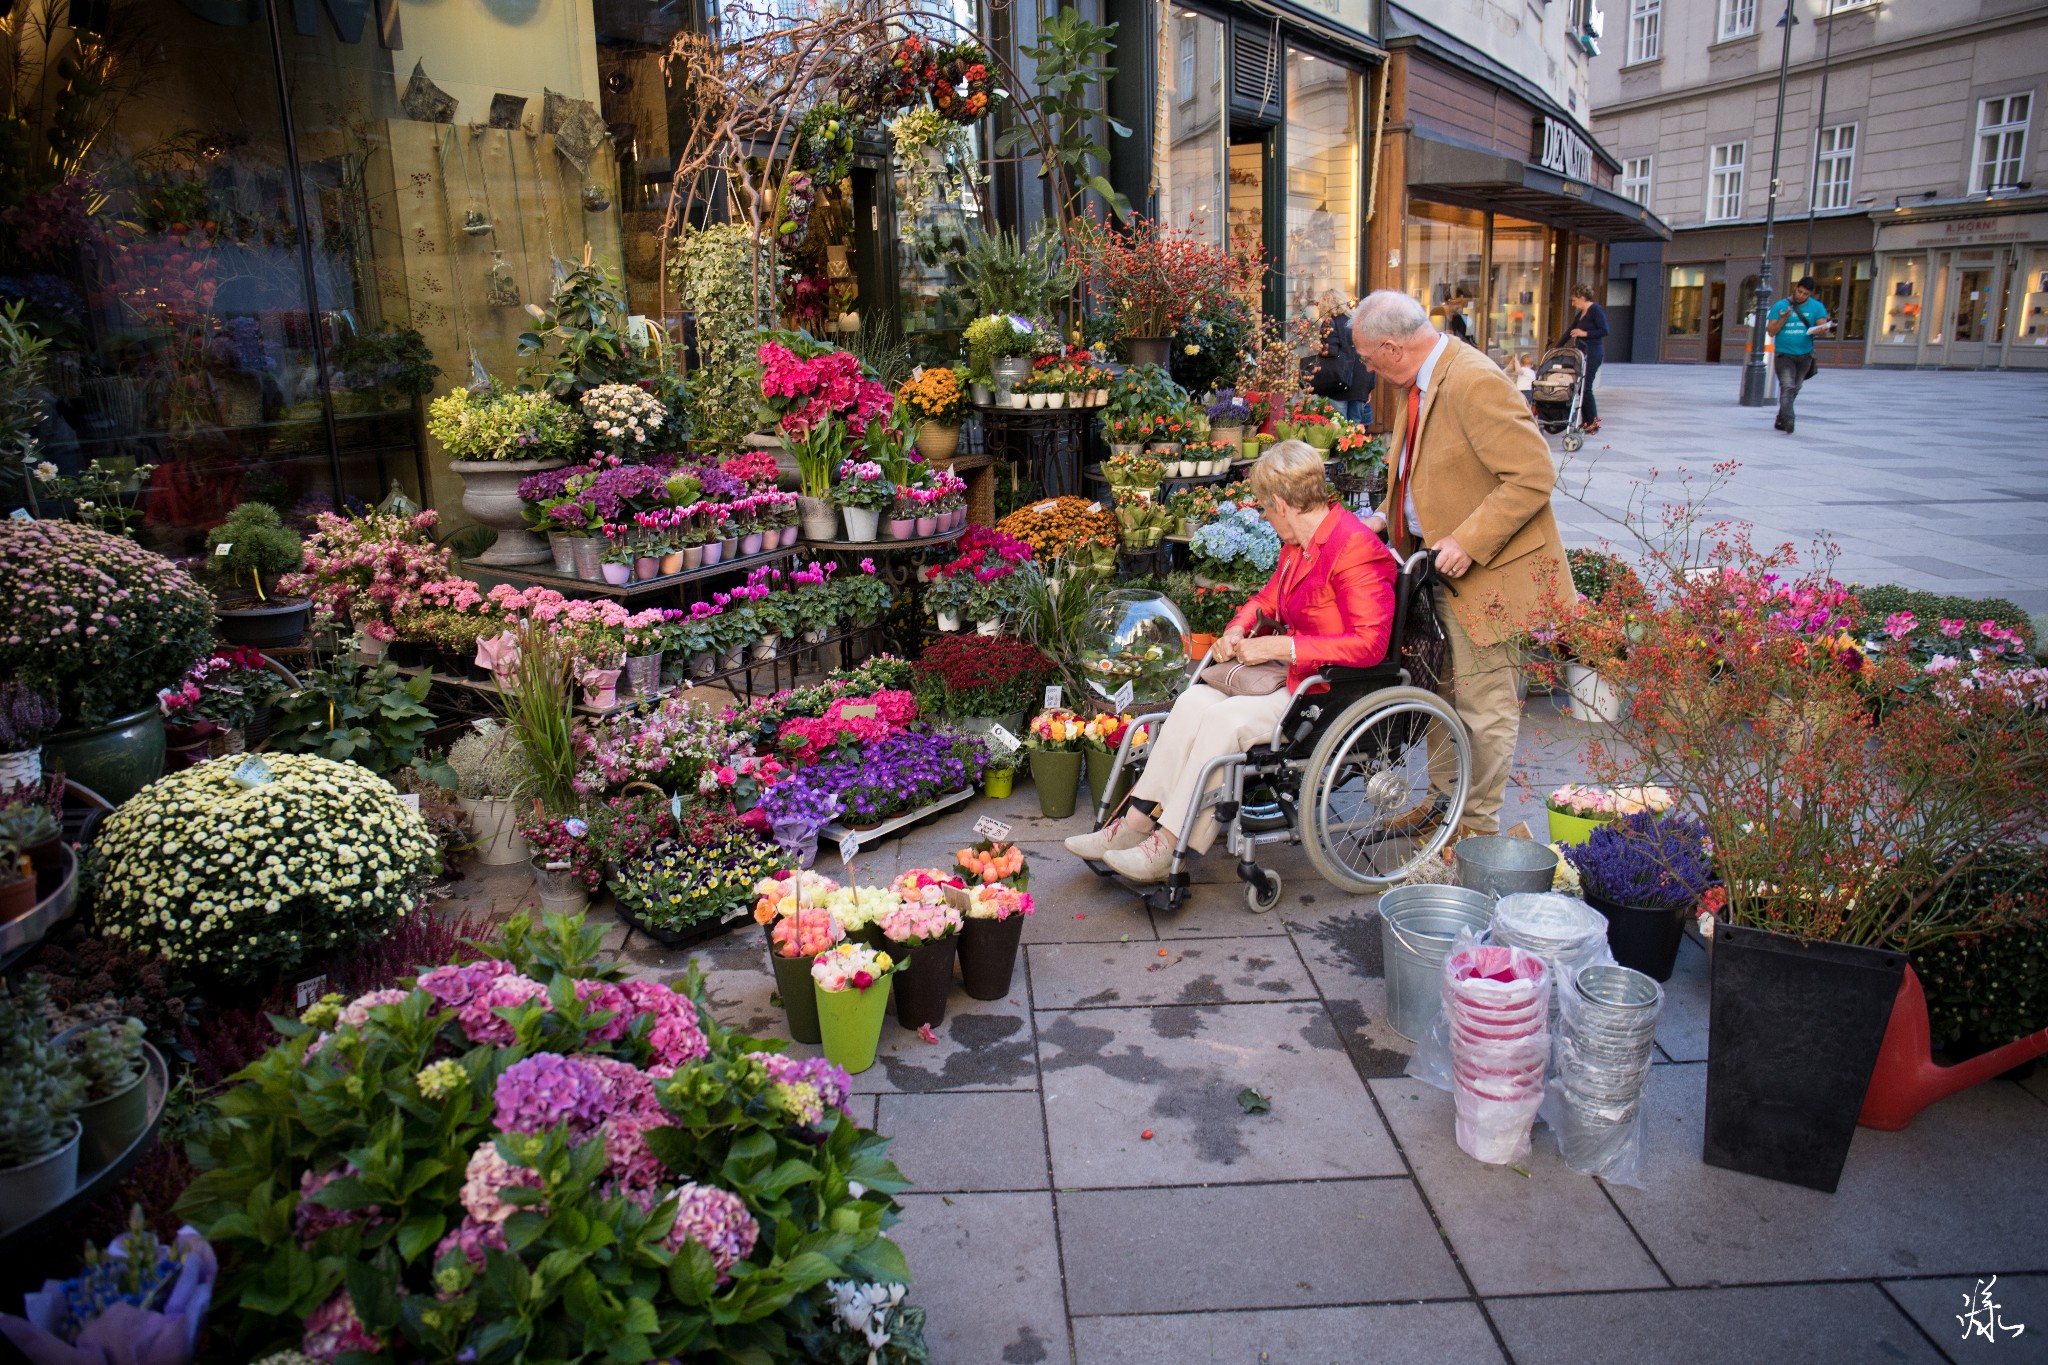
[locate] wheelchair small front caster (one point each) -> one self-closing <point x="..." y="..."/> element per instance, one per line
<point x="1262" y="895"/>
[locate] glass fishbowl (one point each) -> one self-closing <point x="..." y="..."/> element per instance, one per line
<point x="1139" y="638"/>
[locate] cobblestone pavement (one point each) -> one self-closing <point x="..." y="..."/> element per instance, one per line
<point x="1933" y="479"/>
<point x="1346" y="1225"/>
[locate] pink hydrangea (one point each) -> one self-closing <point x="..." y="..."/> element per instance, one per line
<point x="603" y="995"/>
<point x="486" y="1178"/>
<point x="356" y="1012"/>
<point x="630" y="1109"/>
<point x="334" y="1329"/>
<point x="472" y="1239"/>
<point x="716" y="1220"/>
<point x="805" y="1090"/>
<point x="453" y="985"/>
<point x="677" y="1038"/>
<point x="309" y="1219"/>
<point x="479" y="1016"/>
<point x="546" y="1089"/>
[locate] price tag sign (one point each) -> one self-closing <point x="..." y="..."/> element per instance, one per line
<point x="1052" y="697"/>
<point x="858" y="711"/>
<point x="1122" y="697"/>
<point x="992" y="829"/>
<point x="849" y="845"/>
<point x="309" y="991"/>
<point x="1040" y="509"/>
<point x="1095" y="507"/>
<point x="20" y="514"/>
<point x="412" y="801"/>
<point x="223" y="548"/>
<point x="1011" y="744"/>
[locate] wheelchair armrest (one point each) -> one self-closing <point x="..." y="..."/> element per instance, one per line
<point x="1339" y="673"/>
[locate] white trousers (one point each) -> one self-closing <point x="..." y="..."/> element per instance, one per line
<point x="1204" y="723"/>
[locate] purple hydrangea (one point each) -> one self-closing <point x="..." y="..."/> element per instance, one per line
<point x="547" y="1089"/>
<point x="805" y="1090"/>
<point x="472" y="1239"/>
<point x="549" y="483"/>
<point x="716" y="1220"/>
<point x="604" y="996"/>
<point x="677" y="1038"/>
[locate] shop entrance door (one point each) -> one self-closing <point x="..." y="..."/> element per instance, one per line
<point x="1717" y="315"/>
<point x="1972" y="316"/>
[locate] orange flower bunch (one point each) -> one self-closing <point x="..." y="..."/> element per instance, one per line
<point x="936" y="394"/>
<point x="1050" y="526"/>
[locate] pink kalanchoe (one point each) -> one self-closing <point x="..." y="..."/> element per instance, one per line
<point x="1900" y="624"/>
<point x="486" y="1178"/>
<point x="716" y="1220"/>
<point x="356" y="1012"/>
<point x="334" y="1330"/>
<point x="546" y="1089"/>
<point x="677" y="1038"/>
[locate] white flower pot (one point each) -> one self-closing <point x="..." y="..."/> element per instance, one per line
<point x="490" y="493"/>
<point x="994" y="627"/>
<point x="949" y="621"/>
<point x="20" y="769"/>
<point x="765" y="648"/>
<point x="1038" y="399"/>
<point x="862" y="523"/>
<point x="1054" y="400"/>
<point x="492" y="818"/>
<point x="1102" y="398"/>
<point x="1020" y="400"/>
<point x="1594" y="700"/>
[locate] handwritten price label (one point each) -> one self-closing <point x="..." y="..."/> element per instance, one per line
<point x="858" y="711"/>
<point x="412" y="801"/>
<point x="224" y="547"/>
<point x="1011" y="744"/>
<point x="309" y="991"/>
<point x="1122" y="697"/>
<point x="1040" y="509"/>
<point x="1052" y="697"/>
<point x="992" y="829"/>
<point x="849" y="845"/>
<point x="1095" y="507"/>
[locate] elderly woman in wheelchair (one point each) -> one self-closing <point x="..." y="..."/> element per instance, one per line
<point x="1334" y="756"/>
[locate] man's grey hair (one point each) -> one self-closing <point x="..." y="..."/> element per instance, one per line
<point x="1386" y="315"/>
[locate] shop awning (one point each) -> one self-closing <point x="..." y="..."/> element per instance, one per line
<point x="1482" y="178"/>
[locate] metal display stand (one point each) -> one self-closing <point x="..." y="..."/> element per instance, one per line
<point x="1045" y="441"/>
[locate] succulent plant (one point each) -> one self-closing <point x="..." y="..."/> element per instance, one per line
<point x="40" y="1089"/>
<point x="108" y="1056"/>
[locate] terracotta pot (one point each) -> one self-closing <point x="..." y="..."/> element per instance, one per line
<point x="490" y="493"/>
<point x="672" y="562"/>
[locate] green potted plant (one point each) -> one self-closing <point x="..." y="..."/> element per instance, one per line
<point x="250" y="550"/>
<point x="1055" y="744"/>
<point x="494" y="439"/>
<point x="24" y="825"/>
<point x="98" y="625"/>
<point x="1000" y="776"/>
<point x="851" y="982"/>
<point x="40" y="1092"/>
<point x="108" y="1055"/>
<point x="996" y="347"/>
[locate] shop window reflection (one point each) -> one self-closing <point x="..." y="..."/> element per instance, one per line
<point x="1688" y="290"/>
<point x="1519" y="288"/>
<point x="1323" y="111"/>
<point x="1192" y="162"/>
<point x="1442" y="259"/>
<point x="1844" y="287"/>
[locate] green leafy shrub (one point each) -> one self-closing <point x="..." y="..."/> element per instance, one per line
<point x="525" y="1159"/>
<point x="252" y="547"/>
<point x="1881" y="600"/>
<point x="369" y="714"/>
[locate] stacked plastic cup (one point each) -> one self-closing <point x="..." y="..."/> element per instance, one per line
<point x="1609" y="1018"/>
<point x="1497" y="1016"/>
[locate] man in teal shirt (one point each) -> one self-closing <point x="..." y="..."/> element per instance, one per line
<point x="1795" y="322"/>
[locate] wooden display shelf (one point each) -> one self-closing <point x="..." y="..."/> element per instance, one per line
<point x="569" y="583"/>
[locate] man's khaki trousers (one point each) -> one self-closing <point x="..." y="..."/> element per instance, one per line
<point x="1482" y="688"/>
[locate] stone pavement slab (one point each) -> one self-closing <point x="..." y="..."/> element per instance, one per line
<point x="982" y="1140"/>
<point x="1682" y="1025"/>
<point x="1540" y="1229"/>
<point x="1251" y="1246"/>
<point x="987" y="1270"/>
<point x="1943" y="1197"/>
<point x="1112" y="1075"/>
<point x="1956" y="1316"/>
<point x="1815" y="1324"/>
<point x="1439" y="1333"/>
<point x="1213" y="972"/>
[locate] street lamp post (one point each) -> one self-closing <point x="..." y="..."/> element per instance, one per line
<point x="1820" y="121"/>
<point x="1755" y="382"/>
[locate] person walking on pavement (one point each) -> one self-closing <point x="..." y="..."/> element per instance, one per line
<point x="1589" y="334"/>
<point x="1338" y="373"/>
<point x="1795" y="322"/>
<point x="1471" y="480"/>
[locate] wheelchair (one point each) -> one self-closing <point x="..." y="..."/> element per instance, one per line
<point x="1345" y="774"/>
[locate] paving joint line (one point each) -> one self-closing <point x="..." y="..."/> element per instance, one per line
<point x="1926" y="1335"/>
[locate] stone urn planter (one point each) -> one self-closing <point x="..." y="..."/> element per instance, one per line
<point x="490" y="493"/>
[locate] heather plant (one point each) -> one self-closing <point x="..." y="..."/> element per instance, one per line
<point x="1841" y="799"/>
<point x="25" y="717"/>
<point x="526" y="1158"/>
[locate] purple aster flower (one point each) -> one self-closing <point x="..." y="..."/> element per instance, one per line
<point x="716" y="1220"/>
<point x="547" y="1089"/>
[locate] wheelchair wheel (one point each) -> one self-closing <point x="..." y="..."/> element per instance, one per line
<point x="1262" y="895"/>
<point x="1369" y="813"/>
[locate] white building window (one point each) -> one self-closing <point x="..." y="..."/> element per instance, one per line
<point x="1635" y="179"/>
<point x="1834" y="166"/>
<point x="2001" y="158"/>
<point x="1738" y="19"/>
<point x="1645" y="22"/>
<point x="1837" y="6"/>
<point x="1724" y="181"/>
<point x="1187" y="60"/>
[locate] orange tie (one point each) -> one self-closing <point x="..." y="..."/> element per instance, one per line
<point x="1397" y="516"/>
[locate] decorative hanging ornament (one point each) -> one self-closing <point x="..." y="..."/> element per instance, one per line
<point x="503" y="288"/>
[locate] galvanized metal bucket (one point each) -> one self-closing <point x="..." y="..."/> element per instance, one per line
<point x="1418" y="924"/>
<point x="1501" y="865"/>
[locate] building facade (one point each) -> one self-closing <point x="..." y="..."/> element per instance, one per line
<point x="1908" y="163"/>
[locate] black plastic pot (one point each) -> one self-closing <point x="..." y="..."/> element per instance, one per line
<point x="406" y="653"/>
<point x="1792" y="1037"/>
<point x="923" y="980"/>
<point x="267" y="625"/>
<point x="1642" y="936"/>
<point x="988" y="955"/>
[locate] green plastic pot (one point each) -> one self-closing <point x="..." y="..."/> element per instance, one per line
<point x="117" y="759"/>
<point x="1570" y="829"/>
<point x="1100" y="762"/>
<point x="998" y="784"/>
<point x="1058" y="778"/>
<point x="799" y="995"/>
<point x="851" y="1022"/>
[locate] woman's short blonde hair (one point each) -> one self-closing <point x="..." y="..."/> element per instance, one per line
<point x="1291" y="471"/>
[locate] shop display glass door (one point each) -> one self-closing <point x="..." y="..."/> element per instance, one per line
<point x="1517" y="293"/>
<point x="2030" y="326"/>
<point x="1902" y="299"/>
<point x="1972" y="318"/>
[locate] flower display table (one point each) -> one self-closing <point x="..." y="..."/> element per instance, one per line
<point x="838" y="830"/>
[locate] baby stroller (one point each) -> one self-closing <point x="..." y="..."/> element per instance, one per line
<point x="1560" y="385"/>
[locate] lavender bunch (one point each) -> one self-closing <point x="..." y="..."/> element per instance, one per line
<point x="1655" y="862"/>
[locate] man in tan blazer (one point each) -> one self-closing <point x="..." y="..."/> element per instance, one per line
<point x="1474" y="485"/>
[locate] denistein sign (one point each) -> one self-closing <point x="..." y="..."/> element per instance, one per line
<point x="1559" y="148"/>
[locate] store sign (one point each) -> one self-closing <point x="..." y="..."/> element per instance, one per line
<point x="1559" y="148"/>
<point x="1963" y="232"/>
<point x="348" y="17"/>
